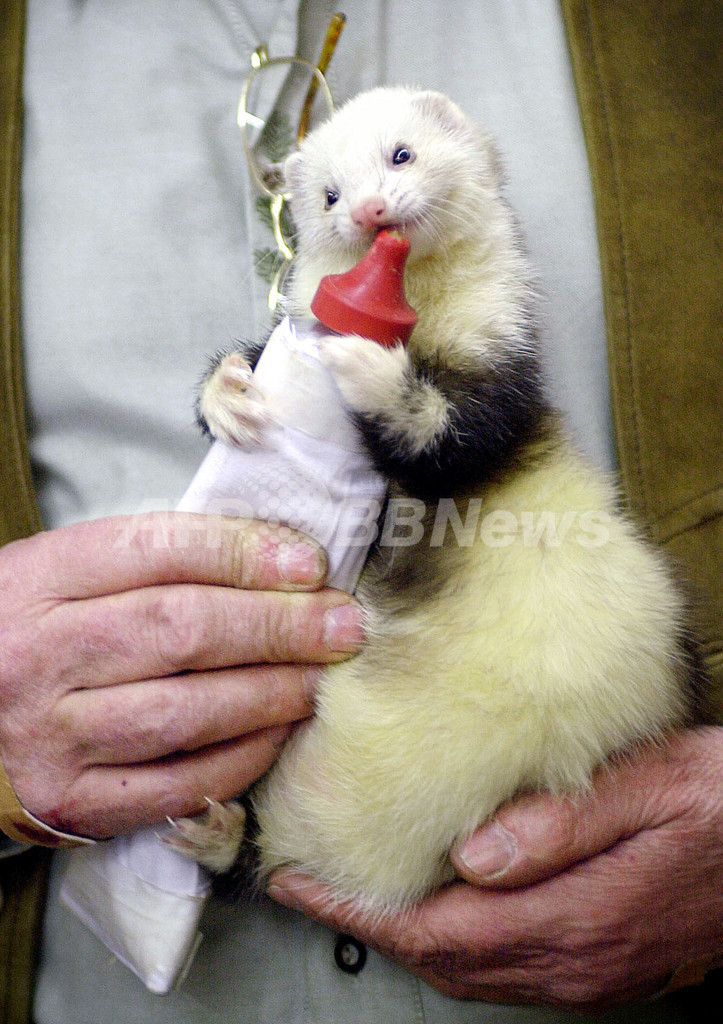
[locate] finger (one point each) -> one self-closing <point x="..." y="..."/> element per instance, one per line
<point x="106" y="801"/>
<point x="160" y="631"/>
<point x="455" y="939"/>
<point x="414" y="935"/>
<point x="315" y="900"/>
<point x="105" y="556"/>
<point x="145" y="721"/>
<point x="494" y="946"/>
<point x="537" y="836"/>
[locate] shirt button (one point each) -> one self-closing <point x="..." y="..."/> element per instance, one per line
<point x="350" y="955"/>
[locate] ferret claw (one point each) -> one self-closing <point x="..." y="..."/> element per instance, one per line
<point x="232" y="406"/>
<point x="212" y="838"/>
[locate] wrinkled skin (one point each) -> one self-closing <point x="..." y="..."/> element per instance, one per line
<point x="147" y="662"/>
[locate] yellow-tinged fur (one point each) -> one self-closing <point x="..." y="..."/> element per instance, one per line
<point x="532" y="664"/>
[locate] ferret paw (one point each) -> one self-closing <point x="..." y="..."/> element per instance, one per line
<point x="213" y="838"/>
<point x="232" y="406"/>
<point x="370" y="377"/>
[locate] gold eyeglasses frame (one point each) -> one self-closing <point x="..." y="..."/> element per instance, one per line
<point x="271" y="185"/>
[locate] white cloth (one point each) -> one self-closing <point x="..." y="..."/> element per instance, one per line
<point x="143" y="901"/>
<point x="312" y="472"/>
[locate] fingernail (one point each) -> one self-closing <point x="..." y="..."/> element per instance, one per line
<point x="343" y="629"/>
<point x="489" y="852"/>
<point x="301" y="563"/>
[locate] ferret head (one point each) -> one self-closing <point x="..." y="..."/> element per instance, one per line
<point x="391" y="157"/>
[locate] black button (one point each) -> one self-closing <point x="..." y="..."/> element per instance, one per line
<point x="350" y="954"/>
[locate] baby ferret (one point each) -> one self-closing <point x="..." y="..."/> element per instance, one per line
<point x="529" y="633"/>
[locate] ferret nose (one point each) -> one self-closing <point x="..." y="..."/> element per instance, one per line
<point x="370" y="213"/>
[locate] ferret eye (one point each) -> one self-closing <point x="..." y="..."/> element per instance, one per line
<point x="330" y="198"/>
<point x="402" y="155"/>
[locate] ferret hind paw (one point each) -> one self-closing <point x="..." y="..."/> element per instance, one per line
<point x="232" y="406"/>
<point x="213" y="838"/>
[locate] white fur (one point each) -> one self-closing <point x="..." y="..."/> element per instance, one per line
<point x="537" y="652"/>
<point x="372" y="379"/>
<point x="447" y="202"/>
<point x="232" y="405"/>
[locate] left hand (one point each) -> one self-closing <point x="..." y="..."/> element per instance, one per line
<point x="603" y="896"/>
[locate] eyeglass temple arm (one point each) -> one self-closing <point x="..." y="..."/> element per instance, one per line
<point x="276" y="204"/>
<point x="334" y="30"/>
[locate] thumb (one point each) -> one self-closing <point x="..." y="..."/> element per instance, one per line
<point x="539" y="835"/>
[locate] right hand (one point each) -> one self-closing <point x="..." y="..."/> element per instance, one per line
<point x="147" y="662"/>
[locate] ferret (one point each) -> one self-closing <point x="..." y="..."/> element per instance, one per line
<point x="530" y="633"/>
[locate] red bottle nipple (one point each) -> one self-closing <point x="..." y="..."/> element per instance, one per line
<point x="369" y="299"/>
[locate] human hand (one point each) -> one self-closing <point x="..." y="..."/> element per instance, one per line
<point x="147" y="662"/>
<point x="604" y="895"/>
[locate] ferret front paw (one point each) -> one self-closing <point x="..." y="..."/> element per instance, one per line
<point x="232" y="406"/>
<point x="213" y="838"/>
<point x="371" y="378"/>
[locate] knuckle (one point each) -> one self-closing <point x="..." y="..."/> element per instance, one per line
<point x="155" y="720"/>
<point x="266" y="695"/>
<point x="569" y="825"/>
<point x="425" y="951"/>
<point x="285" y="625"/>
<point x="575" y="989"/>
<point x="180" y="622"/>
<point x="165" y="720"/>
<point x="240" y="556"/>
<point x="177" y="793"/>
<point x="144" y="535"/>
<point x="281" y="684"/>
<point x="70" y="737"/>
<point x="578" y="965"/>
<point x="250" y="550"/>
<point x="171" y="794"/>
<point x="245" y="551"/>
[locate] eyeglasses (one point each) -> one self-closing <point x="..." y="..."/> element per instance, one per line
<point x="274" y="87"/>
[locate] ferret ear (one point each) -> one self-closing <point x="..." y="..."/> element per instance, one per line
<point x="292" y="170"/>
<point x="440" y="108"/>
